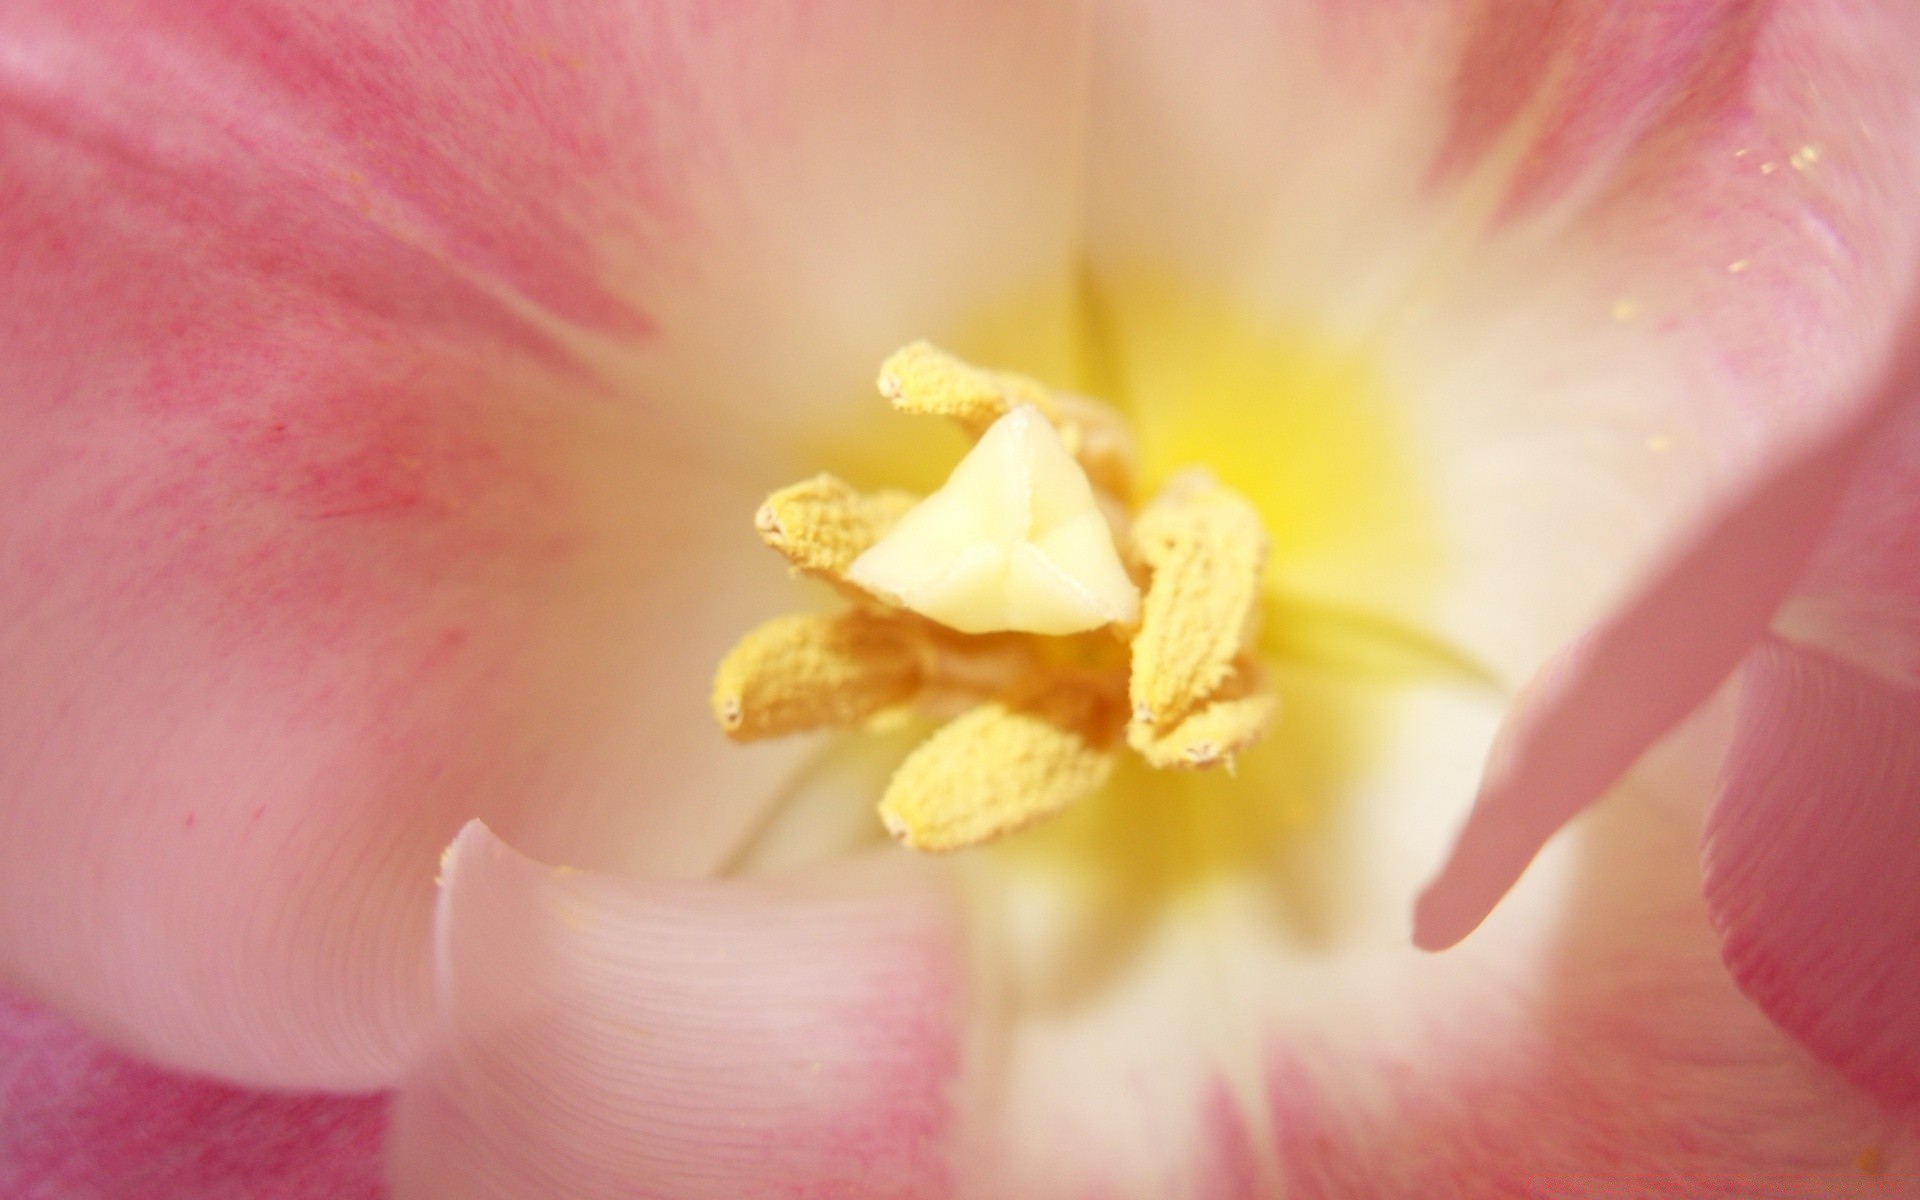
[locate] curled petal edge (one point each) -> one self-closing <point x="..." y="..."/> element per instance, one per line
<point x="1580" y="725"/>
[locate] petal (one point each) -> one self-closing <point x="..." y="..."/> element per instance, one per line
<point x="1587" y="718"/>
<point x="291" y="589"/>
<point x="1610" y="1057"/>
<point x="80" y="1121"/>
<point x="1809" y="851"/>
<point x="1265" y="1029"/>
<point x="1860" y="598"/>
<point x="1553" y="243"/>
<point x="725" y="1039"/>
<point x="369" y="369"/>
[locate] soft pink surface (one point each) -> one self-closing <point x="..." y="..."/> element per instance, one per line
<point x="1566" y="238"/>
<point x="81" y="1121"/>
<point x="608" y="1038"/>
<point x="1592" y="712"/>
<point x="1810" y="861"/>
<point x="359" y="482"/>
<point x="1584" y="83"/>
<point x="1630" y="1067"/>
<point x="1810" y="850"/>
<point x="338" y="337"/>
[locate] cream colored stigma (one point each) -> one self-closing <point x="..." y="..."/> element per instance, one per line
<point x="1014" y="542"/>
<point x="1014" y="594"/>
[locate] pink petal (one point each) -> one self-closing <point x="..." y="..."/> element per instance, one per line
<point x="1584" y="80"/>
<point x="1562" y="238"/>
<point x="369" y="368"/>
<point x="1810" y="856"/>
<point x="1812" y="847"/>
<point x="1615" y="1058"/>
<point x="726" y="1040"/>
<point x="1156" y="1022"/>
<point x="80" y="1121"/>
<point x="1585" y="720"/>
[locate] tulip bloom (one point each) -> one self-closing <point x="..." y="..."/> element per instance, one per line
<point x="390" y="390"/>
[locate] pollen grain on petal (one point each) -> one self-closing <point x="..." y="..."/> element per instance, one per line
<point x="1205" y="549"/>
<point x="808" y="671"/>
<point x="1003" y="766"/>
<point x="822" y="524"/>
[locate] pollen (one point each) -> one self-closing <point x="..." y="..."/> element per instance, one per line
<point x="1012" y="595"/>
<point x="1218" y="729"/>
<point x="1001" y="767"/>
<point x="811" y="671"/>
<point x="1206" y="551"/>
<point x="923" y="379"/>
<point x="823" y="524"/>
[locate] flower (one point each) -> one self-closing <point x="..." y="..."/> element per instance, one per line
<point x="391" y="392"/>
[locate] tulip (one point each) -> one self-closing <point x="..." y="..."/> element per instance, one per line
<point x="391" y="389"/>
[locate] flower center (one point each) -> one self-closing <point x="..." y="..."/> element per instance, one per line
<point x="1064" y="624"/>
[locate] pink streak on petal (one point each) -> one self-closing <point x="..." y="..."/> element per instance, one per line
<point x="731" y="1040"/>
<point x="321" y="538"/>
<point x="307" y="559"/>
<point x="1604" y="700"/>
<point x="1593" y="78"/>
<point x="484" y="135"/>
<point x="81" y="1121"/>
<point x="1811" y="855"/>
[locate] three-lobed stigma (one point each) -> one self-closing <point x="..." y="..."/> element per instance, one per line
<point x="1028" y="592"/>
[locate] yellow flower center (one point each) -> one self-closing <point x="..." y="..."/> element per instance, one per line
<point x="1014" y="591"/>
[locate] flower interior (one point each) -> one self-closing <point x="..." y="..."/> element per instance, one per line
<point x="1149" y="608"/>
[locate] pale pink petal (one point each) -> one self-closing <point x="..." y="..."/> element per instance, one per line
<point x="1860" y="599"/>
<point x="1812" y="849"/>
<point x="382" y="441"/>
<point x="1578" y="85"/>
<point x="1255" y="1024"/>
<point x="1811" y="854"/>
<point x="81" y="1121"/>
<point x="1590" y="714"/>
<point x="1562" y="240"/>
<point x="1613" y="1059"/>
<point x="733" y="1039"/>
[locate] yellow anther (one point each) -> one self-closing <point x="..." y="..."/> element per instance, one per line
<point x="1206" y="551"/>
<point x="1220" y="730"/>
<point x="815" y="671"/>
<point x="1002" y="767"/>
<point x="823" y="524"/>
<point x="1023" y="539"/>
<point x="921" y="378"/>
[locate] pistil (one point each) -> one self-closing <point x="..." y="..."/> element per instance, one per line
<point x="1015" y="592"/>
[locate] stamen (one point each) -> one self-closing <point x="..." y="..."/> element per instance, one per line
<point x="1219" y="730"/>
<point x="811" y="671"/>
<point x="1002" y="767"/>
<point x="824" y="524"/>
<point x="1206" y="550"/>
<point x="925" y="380"/>
<point x="950" y="591"/>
